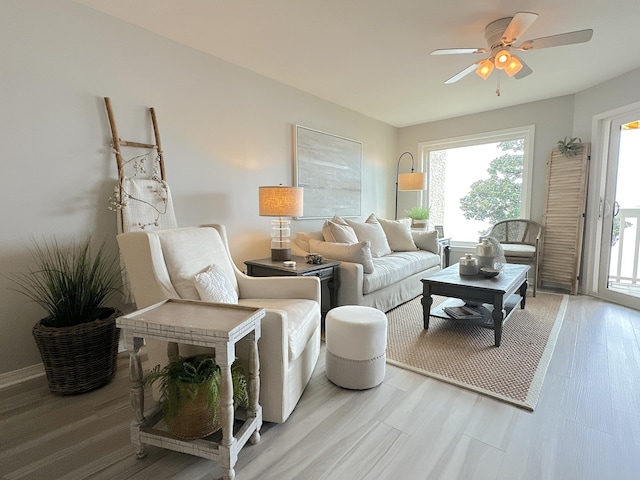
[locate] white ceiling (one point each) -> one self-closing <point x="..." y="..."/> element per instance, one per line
<point x="373" y="56"/>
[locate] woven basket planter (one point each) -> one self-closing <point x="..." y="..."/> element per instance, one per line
<point x="81" y="358"/>
<point x="195" y="419"/>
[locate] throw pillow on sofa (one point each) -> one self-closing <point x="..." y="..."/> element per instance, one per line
<point x="355" y="253"/>
<point x="398" y="234"/>
<point x="371" y="230"/>
<point x="338" y="232"/>
<point x="426" y="240"/>
<point x="302" y="239"/>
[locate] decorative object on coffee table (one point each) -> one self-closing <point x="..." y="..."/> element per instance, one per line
<point x="280" y="202"/>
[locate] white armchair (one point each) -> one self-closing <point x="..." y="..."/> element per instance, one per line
<point x="161" y="264"/>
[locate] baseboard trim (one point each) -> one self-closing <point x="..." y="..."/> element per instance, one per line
<point x="21" y="375"/>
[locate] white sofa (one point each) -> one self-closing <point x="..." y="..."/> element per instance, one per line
<point x="163" y="264"/>
<point x="382" y="261"/>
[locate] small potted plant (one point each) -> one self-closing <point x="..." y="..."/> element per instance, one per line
<point x="78" y="340"/>
<point x="419" y="217"/>
<point x="190" y="390"/>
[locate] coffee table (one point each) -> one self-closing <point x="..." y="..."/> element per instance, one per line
<point x="497" y="296"/>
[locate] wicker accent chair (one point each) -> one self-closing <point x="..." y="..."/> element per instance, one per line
<point x="521" y="241"/>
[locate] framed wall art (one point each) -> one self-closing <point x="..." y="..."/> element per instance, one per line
<point x="329" y="168"/>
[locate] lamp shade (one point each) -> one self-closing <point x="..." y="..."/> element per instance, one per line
<point x="280" y="201"/>
<point x="502" y="59"/>
<point x="412" y="181"/>
<point x="514" y="66"/>
<point x="485" y="68"/>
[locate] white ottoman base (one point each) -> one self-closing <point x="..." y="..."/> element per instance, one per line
<point x="355" y="374"/>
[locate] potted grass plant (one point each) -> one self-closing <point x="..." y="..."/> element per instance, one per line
<point x="419" y="217"/>
<point x="78" y="340"/>
<point x="190" y="391"/>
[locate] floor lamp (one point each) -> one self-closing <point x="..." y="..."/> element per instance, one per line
<point x="413" y="181"/>
<point x="280" y="202"/>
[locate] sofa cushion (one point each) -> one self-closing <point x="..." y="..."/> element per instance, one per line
<point x="190" y="251"/>
<point x="396" y="267"/>
<point x="338" y="233"/>
<point x="426" y="240"/>
<point x="214" y="286"/>
<point x="355" y="253"/>
<point x="372" y="230"/>
<point x="302" y="239"/>
<point x="301" y="318"/>
<point x="398" y="234"/>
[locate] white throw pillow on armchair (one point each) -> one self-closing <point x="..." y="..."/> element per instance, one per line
<point x="214" y="286"/>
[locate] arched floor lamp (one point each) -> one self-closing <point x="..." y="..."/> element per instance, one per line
<point x="413" y="181"/>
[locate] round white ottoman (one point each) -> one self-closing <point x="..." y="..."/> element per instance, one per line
<point x="356" y="339"/>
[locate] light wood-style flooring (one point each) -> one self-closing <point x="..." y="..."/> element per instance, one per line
<point x="586" y="424"/>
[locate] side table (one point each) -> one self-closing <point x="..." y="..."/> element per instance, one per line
<point x="327" y="271"/>
<point x="445" y="243"/>
<point x="215" y="325"/>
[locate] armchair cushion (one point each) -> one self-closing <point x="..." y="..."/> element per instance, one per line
<point x="214" y="286"/>
<point x="188" y="252"/>
<point x="300" y="316"/>
<point x="518" y="250"/>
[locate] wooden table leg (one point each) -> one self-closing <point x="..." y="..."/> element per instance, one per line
<point x="426" y="301"/>
<point x="254" y="384"/>
<point x="226" y="411"/>
<point x="498" y="317"/>
<point x="523" y="294"/>
<point x="136" y="395"/>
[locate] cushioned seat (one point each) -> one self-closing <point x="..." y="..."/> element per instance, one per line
<point x="521" y="242"/>
<point x="164" y="264"/>
<point x="356" y="338"/>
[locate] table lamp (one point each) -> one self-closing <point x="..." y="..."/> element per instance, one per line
<point x="280" y="201"/>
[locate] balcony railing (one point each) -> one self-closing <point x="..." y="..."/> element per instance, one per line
<point x="624" y="274"/>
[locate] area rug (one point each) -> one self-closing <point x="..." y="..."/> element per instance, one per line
<point x="465" y="355"/>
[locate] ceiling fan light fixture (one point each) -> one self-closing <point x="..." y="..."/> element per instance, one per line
<point x="503" y="57"/>
<point x="485" y="68"/>
<point x="514" y="66"/>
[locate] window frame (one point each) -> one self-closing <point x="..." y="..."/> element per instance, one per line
<point x="527" y="132"/>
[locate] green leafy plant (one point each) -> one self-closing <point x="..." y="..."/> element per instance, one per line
<point x="195" y="373"/>
<point x="69" y="282"/>
<point x="418" y="213"/>
<point x="569" y="146"/>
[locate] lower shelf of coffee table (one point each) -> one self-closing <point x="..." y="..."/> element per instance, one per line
<point x="486" y="309"/>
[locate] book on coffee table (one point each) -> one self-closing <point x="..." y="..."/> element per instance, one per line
<point x="463" y="312"/>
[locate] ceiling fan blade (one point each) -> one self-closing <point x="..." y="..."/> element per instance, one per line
<point x="524" y="71"/>
<point x="569" y="38"/>
<point x="520" y="22"/>
<point x="455" y="51"/>
<point x="462" y="74"/>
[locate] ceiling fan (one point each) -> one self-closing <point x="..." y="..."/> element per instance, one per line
<point x="501" y="36"/>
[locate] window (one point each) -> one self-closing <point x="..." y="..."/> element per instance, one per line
<point x="478" y="180"/>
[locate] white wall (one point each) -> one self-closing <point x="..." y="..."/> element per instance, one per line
<point x="553" y="120"/>
<point x="225" y="131"/>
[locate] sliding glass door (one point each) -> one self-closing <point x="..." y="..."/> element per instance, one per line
<point x="619" y="268"/>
